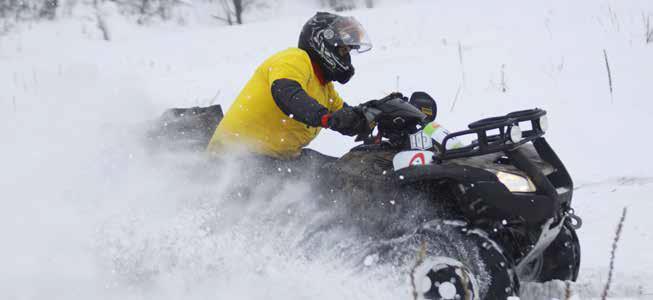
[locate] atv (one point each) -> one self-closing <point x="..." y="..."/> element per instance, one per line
<point x="485" y="215"/>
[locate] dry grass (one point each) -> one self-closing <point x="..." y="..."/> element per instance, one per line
<point x="607" y="66"/>
<point x="462" y="75"/>
<point x="420" y="259"/>
<point x="504" y="87"/>
<point x="567" y="290"/>
<point x="648" y="27"/>
<point x="617" y="236"/>
<point x="455" y="99"/>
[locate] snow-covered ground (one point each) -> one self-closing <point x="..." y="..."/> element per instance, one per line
<point x="85" y="213"/>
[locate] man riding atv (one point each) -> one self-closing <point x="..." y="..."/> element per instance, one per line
<point x="487" y="215"/>
<point x="291" y="97"/>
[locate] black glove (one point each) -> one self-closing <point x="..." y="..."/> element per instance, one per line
<point x="348" y="121"/>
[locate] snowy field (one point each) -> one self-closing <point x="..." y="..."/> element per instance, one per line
<point x="86" y="213"/>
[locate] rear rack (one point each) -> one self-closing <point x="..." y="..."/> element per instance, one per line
<point x="487" y="142"/>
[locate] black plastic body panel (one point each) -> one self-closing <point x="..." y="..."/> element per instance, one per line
<point x="489" y="198"/>
<point x="485" y="193"/>
<point x="184" y="128"/>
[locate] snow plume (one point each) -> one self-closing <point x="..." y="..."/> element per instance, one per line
<point x="89" y="213"/>
<point x="223" y="230"/>
<point x="196" y="229"/>
<point x="97" y="215"/>
<point x="228" y="237"/>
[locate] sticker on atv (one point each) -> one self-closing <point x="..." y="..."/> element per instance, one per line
<point x="406" y="159"/>
<point x="420" y="141"/>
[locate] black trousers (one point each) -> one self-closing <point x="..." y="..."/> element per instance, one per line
<point x="308" y="163"/>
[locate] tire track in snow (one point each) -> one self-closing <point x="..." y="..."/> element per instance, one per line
<point x="619" y="181"/>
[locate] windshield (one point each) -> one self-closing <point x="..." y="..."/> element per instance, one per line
<point x="352" y="34"/>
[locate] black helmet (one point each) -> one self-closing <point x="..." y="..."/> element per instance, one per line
<point x="323" y="34"/>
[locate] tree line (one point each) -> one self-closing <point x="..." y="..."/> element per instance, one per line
<point x="229" y="11"/>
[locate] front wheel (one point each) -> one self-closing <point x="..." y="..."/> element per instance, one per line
<point x="482" y="258"/>
<point x="446" y="278"/>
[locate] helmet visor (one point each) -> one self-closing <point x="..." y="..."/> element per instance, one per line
<point x="352" y="34"/>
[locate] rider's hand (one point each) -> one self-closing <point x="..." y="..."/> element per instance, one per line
<point x="347" y="121"/>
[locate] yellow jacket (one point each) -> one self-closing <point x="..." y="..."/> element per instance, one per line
<point x="256" y="122"/>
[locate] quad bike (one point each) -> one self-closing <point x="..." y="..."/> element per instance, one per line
<point x="487" y="215"/>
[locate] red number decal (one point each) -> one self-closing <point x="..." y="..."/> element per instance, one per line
<point x="418" y="159"/>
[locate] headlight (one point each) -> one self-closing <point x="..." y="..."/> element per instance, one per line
<point x="515" y="134"/>
<point x="544" y="123"/>
<point x="516" y="183"/>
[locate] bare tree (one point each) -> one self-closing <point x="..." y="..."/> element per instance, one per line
<point x="150" y="9"/>
<point x="20" y="10"/>
<point x="238" y="10"/>
<point x="340" y="5"/>
<point x="49" y="9"/>
<point x="5" y="8"/>
<point x="227" y="11"/>
<point x="25" y="10"/>
<point x="100" y="22"/>
<point x="233" y="10"/>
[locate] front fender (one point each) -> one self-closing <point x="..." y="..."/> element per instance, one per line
<point x="482" y="194"/>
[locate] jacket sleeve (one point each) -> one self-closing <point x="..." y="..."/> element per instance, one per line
<point x="287" y="78"/>
<point x="293" y="100"/>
